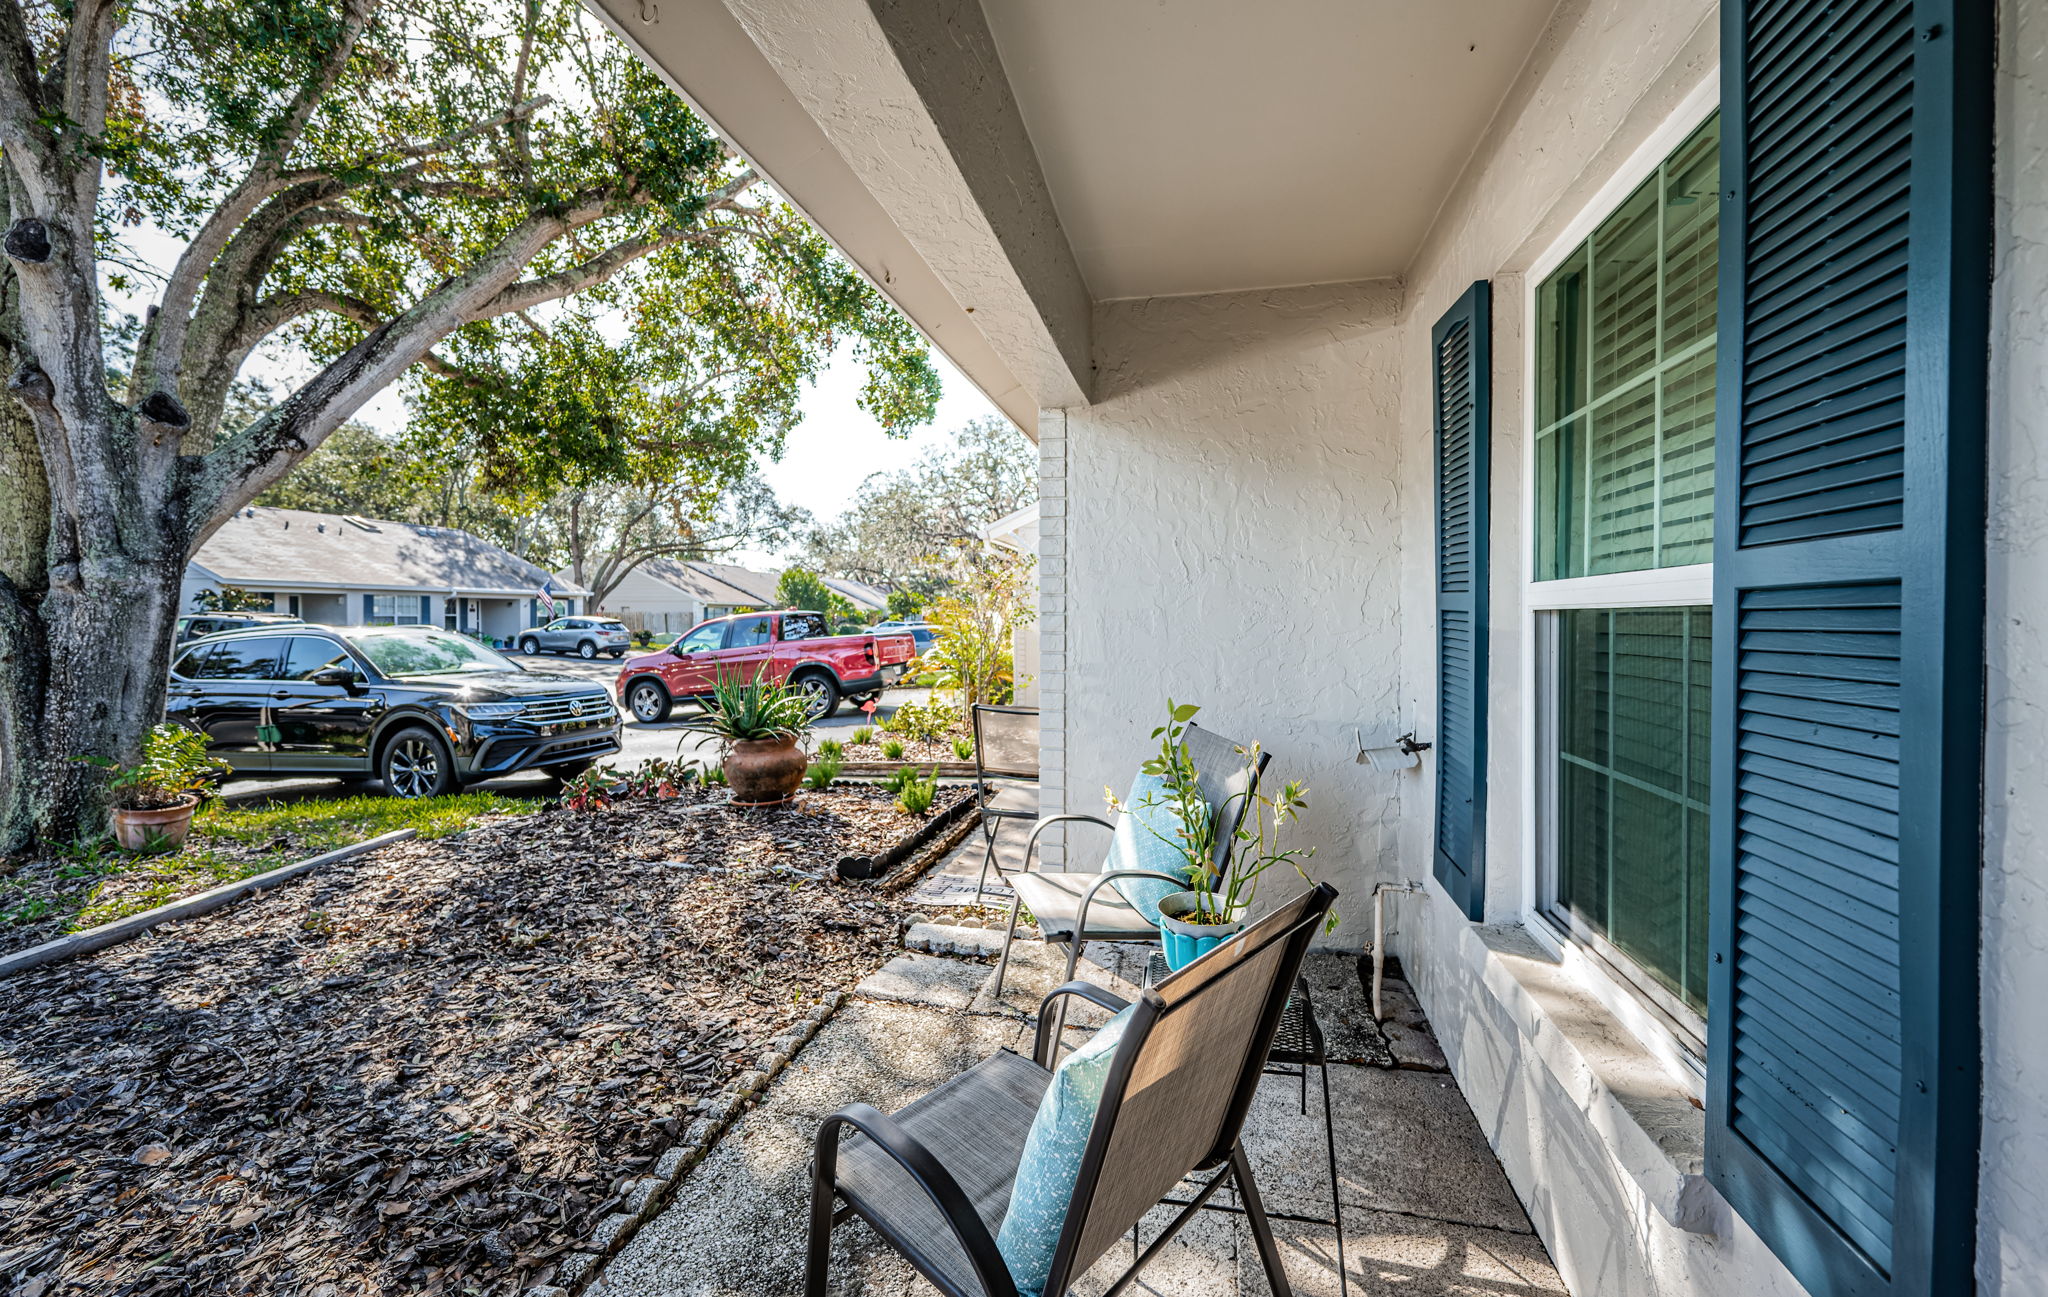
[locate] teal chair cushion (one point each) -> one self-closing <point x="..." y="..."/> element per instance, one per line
<point x="1052" y="1158"/>
<point x="1137" y="845"/>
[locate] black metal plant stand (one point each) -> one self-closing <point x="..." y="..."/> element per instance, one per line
<point x="1297" y="1047"/>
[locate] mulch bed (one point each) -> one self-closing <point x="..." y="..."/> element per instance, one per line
<point x="425" y="1070"/>
<point x="915" y="751"/>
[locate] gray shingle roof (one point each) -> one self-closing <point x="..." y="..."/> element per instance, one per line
<point x="859" y="593"/>
<point x="704" y="587"/>
<point x="758" y="586"/>
<point x="261" y="548"/>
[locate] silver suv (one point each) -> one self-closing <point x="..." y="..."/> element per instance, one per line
<point x="584" y="636"/>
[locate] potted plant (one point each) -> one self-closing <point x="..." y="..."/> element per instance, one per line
<point x="762" y="723"/>
<point x="155" y="798"/>
<point x="1213" y="908"/>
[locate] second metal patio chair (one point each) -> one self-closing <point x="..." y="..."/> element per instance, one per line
<point x="935" y="1179"/>
<point x="1076" y="908"/>
<point x="1005" y="773"/>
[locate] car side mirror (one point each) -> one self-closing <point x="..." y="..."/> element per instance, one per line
<point x="334" y="678"/>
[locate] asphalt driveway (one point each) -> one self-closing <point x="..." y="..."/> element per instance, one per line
<point x="669" y="739"/>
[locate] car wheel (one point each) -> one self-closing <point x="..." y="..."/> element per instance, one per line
<point x="530" y="646"/>
<point x="587" y="650"/>
<point x="820" y="692"/>
<point x="416" y="763"/>
<point x="618" y="655"/>
<point x="649" y="702"/>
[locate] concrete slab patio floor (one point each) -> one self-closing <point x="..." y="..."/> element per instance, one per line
<point x="1427" y="1209"/>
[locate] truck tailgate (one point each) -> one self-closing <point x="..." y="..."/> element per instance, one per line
<point x="890" y="649"/>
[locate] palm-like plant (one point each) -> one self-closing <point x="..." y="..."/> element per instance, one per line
<point x="754" y="710"/>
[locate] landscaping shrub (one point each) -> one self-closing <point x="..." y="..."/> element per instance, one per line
<point x="820" y="774"/>
<point x="963" y="749"/>
<point x="892" y="749"/>
<point x="831" y="748"/>
<point x="916" y="795"/>
<point x="864" y="735"/>
<point x="928" y="722"/>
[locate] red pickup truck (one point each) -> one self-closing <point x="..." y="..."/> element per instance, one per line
<point x="791" y="646"/>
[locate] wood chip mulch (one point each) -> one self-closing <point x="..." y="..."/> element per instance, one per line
<point x="428" y="1070"/>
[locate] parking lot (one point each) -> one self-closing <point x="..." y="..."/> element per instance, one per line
<point x="671" y="738"/>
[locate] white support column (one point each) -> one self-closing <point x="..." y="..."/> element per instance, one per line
<point x="1052" y="631"/>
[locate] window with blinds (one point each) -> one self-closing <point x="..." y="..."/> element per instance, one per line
<point x="1634" y="729"/>
<point x="1625" y="380"/>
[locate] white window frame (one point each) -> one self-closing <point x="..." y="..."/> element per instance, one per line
<point x="1665" y="1026"/>
<point x="397" y="618"/>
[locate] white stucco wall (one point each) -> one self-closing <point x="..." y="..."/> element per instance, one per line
<point x="1231" y="527"/>
<point x="2012" y="1248"/>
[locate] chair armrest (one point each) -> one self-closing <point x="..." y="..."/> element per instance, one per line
<point x="1087" y="991"/>
<point x="1051" y="820"/>
<point x="931" y="1176"/>
<point x="1101" y="880"/>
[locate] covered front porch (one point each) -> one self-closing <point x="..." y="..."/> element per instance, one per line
<point x="1425" y="1207"/>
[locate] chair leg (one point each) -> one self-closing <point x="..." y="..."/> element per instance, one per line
<point x="1010" y="935"/>
<point x="1262" y="1229"/>
<point x="819" y="1257"/>
<point x="987" y="858"/>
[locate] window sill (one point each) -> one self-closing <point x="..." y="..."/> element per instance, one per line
<point x="1645" y="1117"/>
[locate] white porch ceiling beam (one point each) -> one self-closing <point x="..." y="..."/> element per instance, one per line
<point x="893" y="128"/>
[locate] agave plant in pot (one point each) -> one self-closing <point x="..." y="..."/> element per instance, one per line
<point x="762" y="724"/>
<point x="154" y="799"/>
<point x="1215" y="905"/>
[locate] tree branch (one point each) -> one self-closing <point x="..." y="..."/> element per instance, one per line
<point x="29" y="144"/>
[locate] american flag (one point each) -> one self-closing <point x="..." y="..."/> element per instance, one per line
<point x="547" y="596"/>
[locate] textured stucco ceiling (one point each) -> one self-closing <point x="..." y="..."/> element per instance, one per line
<point x="1196" y="146"/>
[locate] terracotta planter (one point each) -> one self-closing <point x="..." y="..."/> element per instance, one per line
<point x="764" y="772"/>
<point x="132" y="828"/>
<point x="1185" y="942"/>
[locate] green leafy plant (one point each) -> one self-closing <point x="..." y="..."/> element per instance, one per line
<point x="928" y="721"/>
<point x="916" y="794"/>
<point x="658" y="778"/>
<point x="820" y="774"/>
<point x="1220" y="899"/>
<point x="895" y="779"/>
<point x="643" y="638"/>
<point x="753" y="710"/>
<point x="892" y="749"/>
<point x="974" y="625"/>
<point x="593" y="790"/>
<point x="863" y="736"/>
<point x="174" y="766"/>
<point x="713" y="776"/>
<point x="963" y="749"/>
<point x="831" y="748"/>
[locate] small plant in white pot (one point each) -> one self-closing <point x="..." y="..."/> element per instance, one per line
<point x="1214" y="907"/>
<point x="155" y="798"/>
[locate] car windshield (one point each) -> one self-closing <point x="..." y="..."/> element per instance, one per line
<point x="428" y="653"/>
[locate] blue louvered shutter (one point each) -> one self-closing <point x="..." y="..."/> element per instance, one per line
<point x="1461" y="370"/>
<point x="369" y="608"/>
<point x="1848" y="606"/>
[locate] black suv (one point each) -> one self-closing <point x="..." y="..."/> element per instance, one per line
<point x="194" y="624"/>
<point x="423" y="710"/>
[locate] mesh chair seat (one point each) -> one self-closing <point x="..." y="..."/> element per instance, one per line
<point x="976" y="1124"/>
<point x="1011" y="800"/>
<point x="1055" y="901"/>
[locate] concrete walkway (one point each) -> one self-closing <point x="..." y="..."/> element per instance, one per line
<point x="1426" y="1208"/>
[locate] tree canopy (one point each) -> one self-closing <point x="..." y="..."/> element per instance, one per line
<point x="600" y="294"/>
<point x="907" y="528"/>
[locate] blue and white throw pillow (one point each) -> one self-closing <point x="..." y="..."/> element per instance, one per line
<point x="1052" y="1158"/>
<point x="1138" y="845"/>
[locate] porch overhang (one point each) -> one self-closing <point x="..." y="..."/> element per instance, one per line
<point x="999" y="168"/>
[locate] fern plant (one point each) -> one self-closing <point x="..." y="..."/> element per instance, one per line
<point x="917" y="794"/>
<point x="820" y="774"/>
<point x="863" y="736"/>
<point x="892" y="749"/>
<point x="963" y="749"/>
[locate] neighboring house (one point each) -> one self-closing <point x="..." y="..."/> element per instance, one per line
<point x="1603" y="391"/>
<point x="1018" y="533"/>
<point x="668" y="596"/>
<point x="865" y="597"/>
<point x="349" y="571"/>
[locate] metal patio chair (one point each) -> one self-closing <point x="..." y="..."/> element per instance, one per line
<point x="1077" y="908"/>
<point x="1005" y="773"/>
<point x="934" y="1180"/>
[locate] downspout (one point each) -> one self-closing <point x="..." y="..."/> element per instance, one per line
<point x="1379" y="936"/>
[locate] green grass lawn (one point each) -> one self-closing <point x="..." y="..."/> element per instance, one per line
<point x="84" y="888"/>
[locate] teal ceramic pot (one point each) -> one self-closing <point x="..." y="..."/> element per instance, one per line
<point x="1186" y="942"/>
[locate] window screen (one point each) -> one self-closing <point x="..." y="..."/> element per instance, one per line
<point x="1625" y="380"/>
<point x="1634" y="741"/>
